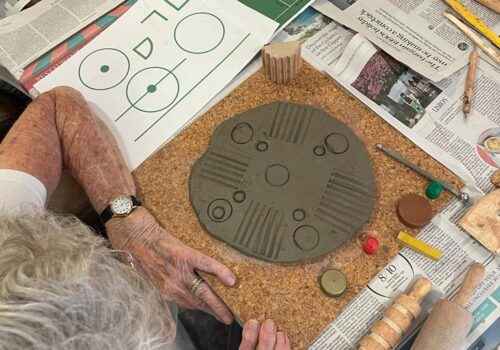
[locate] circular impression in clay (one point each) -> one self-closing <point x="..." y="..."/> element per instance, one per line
<point x="283" y="183"/>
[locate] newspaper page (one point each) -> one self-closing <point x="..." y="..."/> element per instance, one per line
<point x="413" y="32"/>
<point x="432" y="118"/>
<point x="10" y="7"/>
<point x="27" y="35"/>
<point x="460" y="251"/>
<point x="429" y="114"/>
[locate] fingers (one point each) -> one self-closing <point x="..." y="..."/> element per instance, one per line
<point x="250" y="336"/>
<point x="267" y="336"/>
<point x="218" y="308"/>
<point x="264" y="337"/>
<point x="282" y="342"/>
<point x="224" y="274"/>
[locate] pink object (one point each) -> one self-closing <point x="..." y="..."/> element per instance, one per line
<point x="371" y="245"/>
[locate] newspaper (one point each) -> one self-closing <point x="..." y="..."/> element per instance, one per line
<point x="413" y="32"/>
<point x="460" y="250"/>
<point x="430" y="115"/>
<point x="27" y="35"/>
<point x="10" y="7"/>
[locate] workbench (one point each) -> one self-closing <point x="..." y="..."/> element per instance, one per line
<point x="290" y="293"/>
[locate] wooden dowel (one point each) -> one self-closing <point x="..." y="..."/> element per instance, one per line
<point x="485" y="46"/>
<point x="493" y="5"/>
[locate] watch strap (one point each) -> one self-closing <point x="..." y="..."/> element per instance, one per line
<point x="107" y="213"/>
<point x="135" y="202"/>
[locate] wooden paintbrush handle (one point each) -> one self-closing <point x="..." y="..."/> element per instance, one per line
<point x="472" y="278"/>
<point x="491" y="4"/>
<point x="469" y="85"/>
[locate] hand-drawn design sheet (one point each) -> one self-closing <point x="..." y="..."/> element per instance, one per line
<point x="150" y="73"/>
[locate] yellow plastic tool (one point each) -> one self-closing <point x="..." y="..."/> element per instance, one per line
<point x="474" y="21"/>
<point x="419" y="246"/>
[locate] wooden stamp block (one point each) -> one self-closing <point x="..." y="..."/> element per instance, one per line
<point x="281" y="62"/>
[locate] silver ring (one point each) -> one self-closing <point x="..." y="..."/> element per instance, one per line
<point x="196" y="283"/>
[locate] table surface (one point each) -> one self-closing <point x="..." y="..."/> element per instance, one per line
<point x="290" y="293"/>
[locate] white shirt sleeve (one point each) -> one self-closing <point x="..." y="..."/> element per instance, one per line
<point x="18" y="188"/>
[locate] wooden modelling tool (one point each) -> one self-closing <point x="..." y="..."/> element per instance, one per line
<point x="469" y="83"/>
<point x="493" y="5"/>
<point x="485" y="46"/>
<point x="281" y="61"/>
<point x="387" y="332"/>
<point x="474" y="21"/>
<point x="482" y="221"/>
<point x="449" y="322"/>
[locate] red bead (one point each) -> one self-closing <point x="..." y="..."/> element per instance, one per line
<point x="371" y="245"/>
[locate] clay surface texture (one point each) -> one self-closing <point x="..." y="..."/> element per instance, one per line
<point x="282" y="183"/>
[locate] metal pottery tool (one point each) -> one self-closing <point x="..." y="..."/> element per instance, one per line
<point x="395" y="155"/>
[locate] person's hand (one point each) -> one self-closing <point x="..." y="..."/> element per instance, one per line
<point x="169" y="264"/>
<point x="263" y="337"/>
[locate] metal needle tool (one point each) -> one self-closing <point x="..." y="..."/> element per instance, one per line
<point x="462" y="196"/>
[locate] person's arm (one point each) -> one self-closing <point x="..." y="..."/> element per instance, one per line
<point x="59" y="129"/>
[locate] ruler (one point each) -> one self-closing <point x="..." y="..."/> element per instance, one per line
<point x="474" y="21"/>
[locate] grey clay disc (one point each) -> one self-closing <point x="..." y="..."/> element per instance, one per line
<point x="282" y="183"/>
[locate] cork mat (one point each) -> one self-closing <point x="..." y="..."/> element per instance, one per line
<point x="290" y="293"/>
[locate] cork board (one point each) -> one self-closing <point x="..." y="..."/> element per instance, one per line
<point x="290" y="293"/>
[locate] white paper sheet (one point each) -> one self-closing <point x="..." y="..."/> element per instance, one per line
<point x="150" y="73"/>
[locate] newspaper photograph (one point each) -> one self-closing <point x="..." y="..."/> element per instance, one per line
<point x="27" y="35"/>
<point x="413" y="32"/>
<point x="430" y="114"/>
<point x="10" y="7"/>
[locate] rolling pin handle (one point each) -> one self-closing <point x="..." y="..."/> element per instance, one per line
<point x="420" y="289"/>
<point x="472" y="279"/>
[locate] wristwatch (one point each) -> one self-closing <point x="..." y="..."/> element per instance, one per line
<point x="120" y="206"/>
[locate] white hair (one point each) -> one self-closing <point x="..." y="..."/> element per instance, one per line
<point x="61" y="288"/>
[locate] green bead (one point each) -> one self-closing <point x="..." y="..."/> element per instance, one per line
<point x="433" y="190"/>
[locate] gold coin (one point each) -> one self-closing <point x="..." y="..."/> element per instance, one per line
<point x="333" y="283"/>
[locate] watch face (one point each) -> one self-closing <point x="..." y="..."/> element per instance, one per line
<point x="121" y="205"/>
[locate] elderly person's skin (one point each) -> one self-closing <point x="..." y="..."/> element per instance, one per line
<point x="59" y="129"/>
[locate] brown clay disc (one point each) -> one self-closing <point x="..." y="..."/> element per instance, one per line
<point x="414" y="211"/>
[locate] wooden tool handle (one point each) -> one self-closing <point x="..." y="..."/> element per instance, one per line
<point x="472" y="278"/>
<point x="469" y="85"/>
<point x="491" y="4"/>
<point x="420" y="289"/>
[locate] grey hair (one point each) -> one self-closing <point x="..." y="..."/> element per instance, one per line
<point x="61" y="288"/>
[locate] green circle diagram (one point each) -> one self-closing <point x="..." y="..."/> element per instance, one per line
<point x="151" y="88"/>
<point x="198" y="26"/>
<point x="104" y="69"/>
